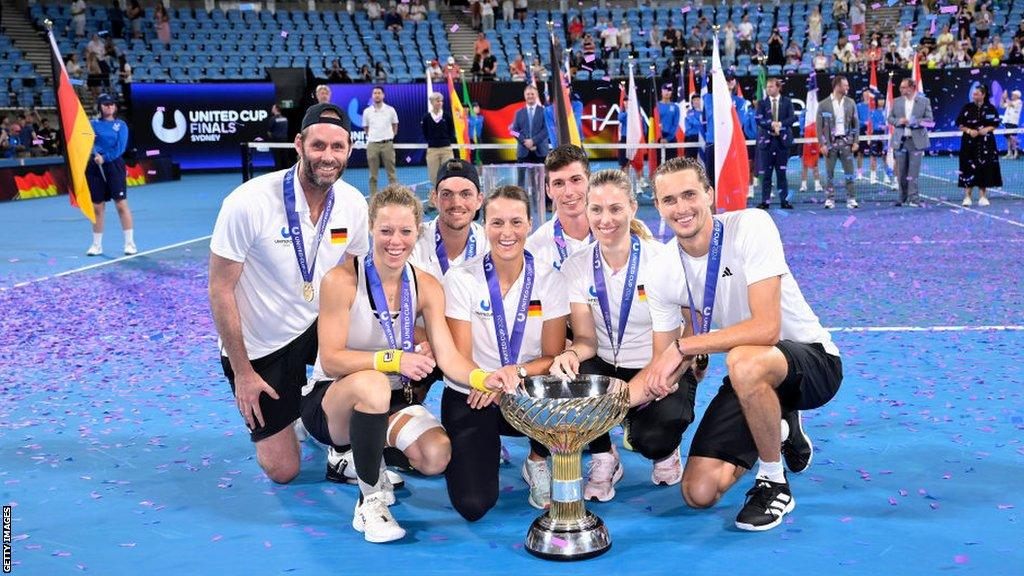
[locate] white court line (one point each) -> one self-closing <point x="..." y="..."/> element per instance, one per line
<point x="995" y="328"/>
<point x="943" y="242"/>
<point x="996" y="190"/>
<point x="114" y="261"/>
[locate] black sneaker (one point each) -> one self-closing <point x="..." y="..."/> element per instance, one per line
<point x="796" y="448"/>
<point x="767" y="502"/>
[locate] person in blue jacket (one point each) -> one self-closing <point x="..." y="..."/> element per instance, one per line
<point x="695" y="127"/>
<point x="107" y="175"/>
<point x="476" y="129"/>
<point x="668" y="114"/>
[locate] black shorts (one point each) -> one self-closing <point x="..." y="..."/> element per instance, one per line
<point x="315" y="421"/>
<point x="812" y="380"/>
<point x="108" y="182"/>
<point x="871" y="148"/>
<point x="285" y="371"/>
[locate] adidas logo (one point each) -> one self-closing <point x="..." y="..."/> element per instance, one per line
<point x="726" y="273"/>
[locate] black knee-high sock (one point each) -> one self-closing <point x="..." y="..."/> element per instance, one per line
<point x="368" y="433"/>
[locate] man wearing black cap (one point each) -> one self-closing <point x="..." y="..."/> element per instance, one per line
<point x="453" y="237"/>
<point x="275" y="238"/>
<point x="107" y="175"/>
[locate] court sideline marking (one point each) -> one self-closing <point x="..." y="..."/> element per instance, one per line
<point x="109" y="262"/>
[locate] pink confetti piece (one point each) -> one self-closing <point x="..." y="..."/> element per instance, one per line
<point x="783" y="29"/>
<point x="127" y="544"/>
<point x="961" y="559"/>
<point x="284" y="33"/>
<point x="1005" y="506"/>
<point x="949" y="9"/>
<point x="876" y="6"/>
<point x="684" y="9"/>
<point x="559" y="542"/>
<point x="267" y="544"/>
<point x="846" y="519"/>
<point x="454" y="28"/>
<point x="152" y="152"/>
<point x="849" y="221"/>
<point x="893" y="502"/>
<point x="854" y="37"/>
<point x="216" y="538"/>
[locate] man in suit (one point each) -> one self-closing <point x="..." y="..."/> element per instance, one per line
<point x="530" y="129"/>
<point x="775" y="118"/>
<point x="911" y="116"/>
<point x="838" y="134"/>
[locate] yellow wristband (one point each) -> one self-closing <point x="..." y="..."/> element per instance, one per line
<point x="387" y="360"/>
<point x="477" y="377"/>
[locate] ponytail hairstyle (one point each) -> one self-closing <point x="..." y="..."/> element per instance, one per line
<point x="619" y="179"/>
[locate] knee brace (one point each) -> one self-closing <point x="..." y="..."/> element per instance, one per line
<point x="410" y="422"/>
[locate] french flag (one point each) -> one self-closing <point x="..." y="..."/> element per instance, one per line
<point x="732" y="167"/>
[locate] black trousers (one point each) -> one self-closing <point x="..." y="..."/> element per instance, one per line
<point x="472" y="474"/>
<point x="655" y="429"/>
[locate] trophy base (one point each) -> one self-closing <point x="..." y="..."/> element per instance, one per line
<point x="581" y="540"/>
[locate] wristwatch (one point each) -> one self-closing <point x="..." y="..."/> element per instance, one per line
<point x="521" y="371"/>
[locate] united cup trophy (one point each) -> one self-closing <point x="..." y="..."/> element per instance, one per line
<point x="565" y="415"/>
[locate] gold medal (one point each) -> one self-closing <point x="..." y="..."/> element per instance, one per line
<point x="307" y="291"/>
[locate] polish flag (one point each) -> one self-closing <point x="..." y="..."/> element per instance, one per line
<point x="811" y="152"/>
<point x="916" y="75"/>
<point x="634" y="127"/>
<point x="732" y="167"/>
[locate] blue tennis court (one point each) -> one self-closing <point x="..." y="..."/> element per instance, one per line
<point x="122" y="449"/>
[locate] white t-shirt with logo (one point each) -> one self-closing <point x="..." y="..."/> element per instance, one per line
<point x="578" y="271"/>
<point x="379" y="123"/>
<point x="252" y="228"/>
<point x="424" y="254"/>
<point x="751" y="252"/>
<point x="541" y="243"/>
<point x="468" y="299"/>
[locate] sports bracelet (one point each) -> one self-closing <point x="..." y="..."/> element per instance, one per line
<point x="477" y="377"/>
<point x="387" y="360"/>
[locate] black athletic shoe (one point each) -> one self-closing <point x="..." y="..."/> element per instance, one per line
<point x="786" y="205"/>
<point x="763" y="206"/>
<point x="796" y="448"/>
<point x="767" y="502"/>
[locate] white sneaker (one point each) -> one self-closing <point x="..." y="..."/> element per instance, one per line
<point x="341" y="468"/>
<point x="603" y="473"/>
<point x="830" y="204"/>
<point x="852" y="203"/>
<point x="967" y="201"/>
<point x="300" y="431"/>
<point x="668" y="471"/>
<point x="130" y="249"/>
<point x="538" y="476"/>
<point x="94" y="250"/>
<point x="803" y="187"/>
<point x="873" y="179"/>
<point x="750" y="191"/>
<point x="983" y="201"/>
<point x="374" y="520"/>
<point x="817" y="186"/>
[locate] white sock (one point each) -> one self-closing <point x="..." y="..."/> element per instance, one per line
<point x="97" y="238"/>
<point x="129" y="236"/>
<point x="785" y="430"/>
<point x="771" y="471"/>
<point x="368" y="490"/>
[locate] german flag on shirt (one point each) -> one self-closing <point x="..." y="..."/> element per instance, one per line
<point x="535" y="309"/>
<point x="641" y="293"/>
<point x="339" y="235"/>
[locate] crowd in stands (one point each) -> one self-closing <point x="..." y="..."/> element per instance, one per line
<point x="26" y="134"/>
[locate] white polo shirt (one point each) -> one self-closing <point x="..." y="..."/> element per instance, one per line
<point x="468" y="299"/>
<point x="541" y="243"/>
<point x="378" y="122"/>
<point x="252" y="228"/>
<point x="424" y="255"/>
<point x="578" y="271"/>
<point x="839" y="111"/>
<point x="751" y="252"/>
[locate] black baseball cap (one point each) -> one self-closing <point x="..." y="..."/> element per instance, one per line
<point x="455" y="168"/>
<point x="315" y="115"/>
<point x="106" y="99"/>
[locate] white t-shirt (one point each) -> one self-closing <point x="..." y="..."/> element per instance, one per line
<point x="746" y="30"/>
<point x="839" y="114"/>
<point x="468" y="299"/>
<point x="424" y="255"/>
<point x="379" y="123"/>
<point x="751" y="252"/>
<point x="252" y="228"/>
<point x="578" y="271"/>
<point x="541" y="244"/>
<point x="1012" y="113"/>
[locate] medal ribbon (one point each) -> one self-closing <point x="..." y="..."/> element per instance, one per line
<point x="710" y="280"/>
<point x="632" y="268"/>
<point x="508" y="347"/>
<point x="406" y="314"/>
<point x="295" y="227"/>
<point x="442" y="253"/>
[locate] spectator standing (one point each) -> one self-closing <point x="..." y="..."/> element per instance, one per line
<point x="381" y="123"/>
<point x="438" y="132"/>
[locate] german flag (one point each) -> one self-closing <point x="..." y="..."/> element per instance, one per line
<point x="641" y="294"/>
<point x="535" y="309"/>
<point x="339" y="235"/>
<point x="77" y="134"/>
<point x="34" y="185"/>
<point x="135" y="175"/>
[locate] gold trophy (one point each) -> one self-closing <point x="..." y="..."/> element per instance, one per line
<point x="565" y="415"/>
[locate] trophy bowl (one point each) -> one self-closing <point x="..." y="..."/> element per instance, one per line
<point x="566" y="415"/>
